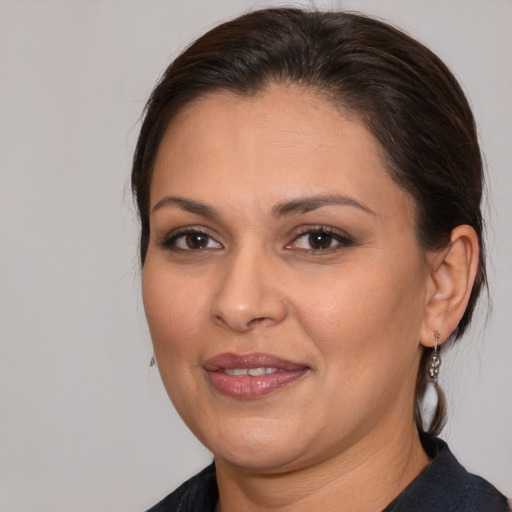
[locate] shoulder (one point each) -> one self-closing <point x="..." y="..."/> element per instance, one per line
<point x="198" y="493"/>
<point x="445" y="486"/>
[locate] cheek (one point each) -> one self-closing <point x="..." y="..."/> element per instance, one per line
<point x="173" y="313"/>
<point x="169" y="302"/>
<point x="173" y="316"/>
<point x="364" y="326"/>
<point x="367" y="319"/>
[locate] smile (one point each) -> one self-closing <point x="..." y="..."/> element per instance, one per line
<point x="251" y="376"/>
<point x="252" y="372"/>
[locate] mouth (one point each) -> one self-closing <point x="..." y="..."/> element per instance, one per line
<point x="251" y="376"/>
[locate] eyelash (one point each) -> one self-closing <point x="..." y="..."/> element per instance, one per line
<point x="170" y="241"/>
<point x="332" y="235"/>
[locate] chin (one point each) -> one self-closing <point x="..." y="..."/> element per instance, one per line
<point x="259" y="445"/>
<point x="265" y="460"/>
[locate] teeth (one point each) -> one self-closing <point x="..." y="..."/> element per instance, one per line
<point x="253" y="372"/>
<point x="237" y="371"/>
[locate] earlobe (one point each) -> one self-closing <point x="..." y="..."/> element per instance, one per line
<point x="450" y="284"/>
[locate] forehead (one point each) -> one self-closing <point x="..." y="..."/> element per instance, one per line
<point x="278" y="143"/>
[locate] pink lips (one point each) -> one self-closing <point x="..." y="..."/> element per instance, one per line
<point x="266" y="373"/>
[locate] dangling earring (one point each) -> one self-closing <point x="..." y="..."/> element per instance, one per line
<point x="152" y="362"/>
<point x="435" y="361"/>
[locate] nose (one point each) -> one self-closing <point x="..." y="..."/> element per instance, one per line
<point x="248" y="293"/>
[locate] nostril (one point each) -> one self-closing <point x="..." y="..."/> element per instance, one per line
<point x="256" y="321"/>
<point x="240" y="324"/>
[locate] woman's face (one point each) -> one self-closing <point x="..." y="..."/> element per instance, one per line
<point x="284" y="286"/>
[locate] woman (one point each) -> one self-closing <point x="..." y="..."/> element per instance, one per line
<point x="309" y="188"/>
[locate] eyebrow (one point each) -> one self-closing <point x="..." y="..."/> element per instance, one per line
<point x="188" y="205"/>
<point x="299" y="205"/>
<point x="307" y="204"/>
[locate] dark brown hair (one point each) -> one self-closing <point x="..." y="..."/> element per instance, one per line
<point x="403" y="93"/>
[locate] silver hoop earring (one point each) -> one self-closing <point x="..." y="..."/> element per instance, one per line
<point x="435" y="360"/>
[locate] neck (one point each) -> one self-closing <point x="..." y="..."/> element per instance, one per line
<point x="367" y="477"/>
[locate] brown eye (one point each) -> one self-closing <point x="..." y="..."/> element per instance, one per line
<point x="196" y="240"/>
<point x="320" y="240"/>
<point x="191" y="241"/>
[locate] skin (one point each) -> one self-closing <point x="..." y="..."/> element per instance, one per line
<point x="355" y="313"/>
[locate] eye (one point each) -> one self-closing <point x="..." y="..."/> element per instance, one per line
<point x="319" y="239"/>
<point x="191" y="240"/>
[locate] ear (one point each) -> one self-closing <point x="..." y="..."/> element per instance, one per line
<point x="450" y="283"/>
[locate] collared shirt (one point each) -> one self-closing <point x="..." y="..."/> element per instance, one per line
<point x="443" y="486"/>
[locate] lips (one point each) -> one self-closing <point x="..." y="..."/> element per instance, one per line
<point x="251" y="376"/>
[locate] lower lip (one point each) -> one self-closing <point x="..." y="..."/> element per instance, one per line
<point x="247" y="387"/>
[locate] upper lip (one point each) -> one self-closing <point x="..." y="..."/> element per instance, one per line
<point x="251" y="360"/>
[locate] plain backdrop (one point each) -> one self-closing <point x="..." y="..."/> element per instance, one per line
<point x="85" y="425"/>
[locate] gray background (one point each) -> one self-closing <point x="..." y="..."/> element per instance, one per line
<point x="84" y="423"/>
